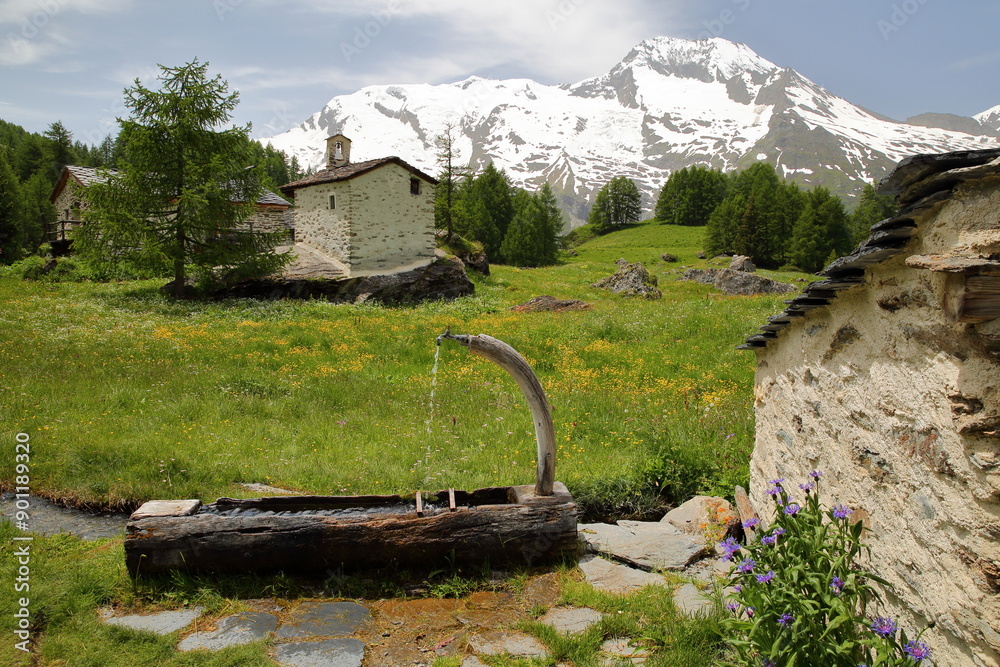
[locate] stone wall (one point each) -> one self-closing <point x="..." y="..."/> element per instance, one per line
<point x="327" y="230"/>
<point x="393" y="230"/>
<point x="877" y="390"/>
<point x="270" y="218"/>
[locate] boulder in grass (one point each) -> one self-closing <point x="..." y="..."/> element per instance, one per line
<point x="669" y="258"/>
<point x="703" y="515"/>
<point x="547" y="303"/>
<point x="631" y="280"/>
<point x="742" y="263"/>
<point x="748" y="284"/>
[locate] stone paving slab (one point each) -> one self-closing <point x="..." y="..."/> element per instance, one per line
<point x="232" y="631"/>
<point x="161" y="623"/>
<point x="571" y="619"/>
<point x="324" y="619"/>
<point x="690" y="600"/>
<point x="650" y="545"/>
<point x="622" y="648"/>
<point x="340" y="652"/>
<point x="499" y="642"/>
<point x="614" y="577"/>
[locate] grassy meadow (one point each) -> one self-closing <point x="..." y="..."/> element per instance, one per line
<point x="128" y="395"/>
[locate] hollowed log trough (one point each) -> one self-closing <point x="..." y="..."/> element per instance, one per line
<point x="500" y="525"/>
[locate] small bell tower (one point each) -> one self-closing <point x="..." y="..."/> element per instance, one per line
<point x="338" y="151"/>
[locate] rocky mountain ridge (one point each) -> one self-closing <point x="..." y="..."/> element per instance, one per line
<point x="670" y="103"/>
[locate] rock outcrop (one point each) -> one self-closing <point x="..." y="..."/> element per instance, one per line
<point x="631" y="280"/>
<point x="738" y="282"/>
<point x="443" y="279"/>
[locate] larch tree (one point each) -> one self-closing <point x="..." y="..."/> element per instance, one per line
<point x="446" y="193"/>
<point x="184" y="185"/>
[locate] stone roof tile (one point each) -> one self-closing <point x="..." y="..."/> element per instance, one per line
<point x="351" y="170"/>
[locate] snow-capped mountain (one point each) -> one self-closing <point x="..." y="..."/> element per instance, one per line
<point x="668" y="104"/>
<point x="990" y="119"/>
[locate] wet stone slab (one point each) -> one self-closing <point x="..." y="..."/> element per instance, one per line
<point x="324" y="619"/>
<point x="161" y="623"/>
<point x="340" y="652"/>
<point x="499" y="642"/>
<point x="232" y="631"/>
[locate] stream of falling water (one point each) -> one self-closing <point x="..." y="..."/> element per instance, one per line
<point x="430" y="408"/>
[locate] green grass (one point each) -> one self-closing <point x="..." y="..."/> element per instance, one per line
<point x="127" y="395"/>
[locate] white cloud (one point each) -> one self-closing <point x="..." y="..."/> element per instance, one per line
<point x="557" y="40"/>
<point x="33" y="30"/>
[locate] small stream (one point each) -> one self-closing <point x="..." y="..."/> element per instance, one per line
<point x="47" y="518"/>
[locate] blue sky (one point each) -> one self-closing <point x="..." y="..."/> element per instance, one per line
<point x="69" y="60"/>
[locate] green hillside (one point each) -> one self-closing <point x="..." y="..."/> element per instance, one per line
<point x="129" y="396"/>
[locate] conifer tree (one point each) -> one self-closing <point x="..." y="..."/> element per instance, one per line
<point x="618" y="203"/>
<point x="11" y="211"/>
<point x="690" y="195"/>
<point x="872" y="208"/>
<point x="488" y="209"/>
<point x="532" y="238"/>
<point x="446" y="194"/>
<point x="182" y="189"/>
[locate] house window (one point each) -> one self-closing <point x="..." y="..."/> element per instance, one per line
<point x="333" y="202"/>
<point x="414" y="186"/>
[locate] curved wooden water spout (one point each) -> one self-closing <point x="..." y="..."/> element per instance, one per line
<point x="508" y="358"/>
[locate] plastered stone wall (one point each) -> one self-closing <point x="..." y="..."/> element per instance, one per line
<point x="874" y="390"/>
<point x="393" y="230"/>
<point x="320" y="227"/>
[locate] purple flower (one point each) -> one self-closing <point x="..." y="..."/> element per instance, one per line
<point x="738" y="588"/>
<point x="768" y="539"/>
<point x="766" y="577"/>
<point x="769" y="663"/>
<point x="732" y="606"/>
<point x="774" y="490"/>
<point x="750" y="611"/>
<point x="841" y="511"/>
<point x="837" y="584"/>
<point x="884" y="627"/>
<point x="807" y="487"/>
<point x="776" y="482"/>
<point x="786" y="619"/>
<point x="729" y="546"/>
<point x="746" y="565"/>
<point x="792" y="509"/>
<point x="778" y="532"/>
<point x="815" y="474"/>
<point x="917" y="650"/>
<point x="751" y="522"/>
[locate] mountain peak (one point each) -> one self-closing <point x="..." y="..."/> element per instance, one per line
<point x="719" y="57"/>
<point x="670" y="103"/>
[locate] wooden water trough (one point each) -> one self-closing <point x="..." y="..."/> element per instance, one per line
<point x="500" y="525"/>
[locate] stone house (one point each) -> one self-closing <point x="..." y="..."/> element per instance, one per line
<point x="272" y="214"/>
<point x="374" y="217"/>
<point x="885" y="376"/>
